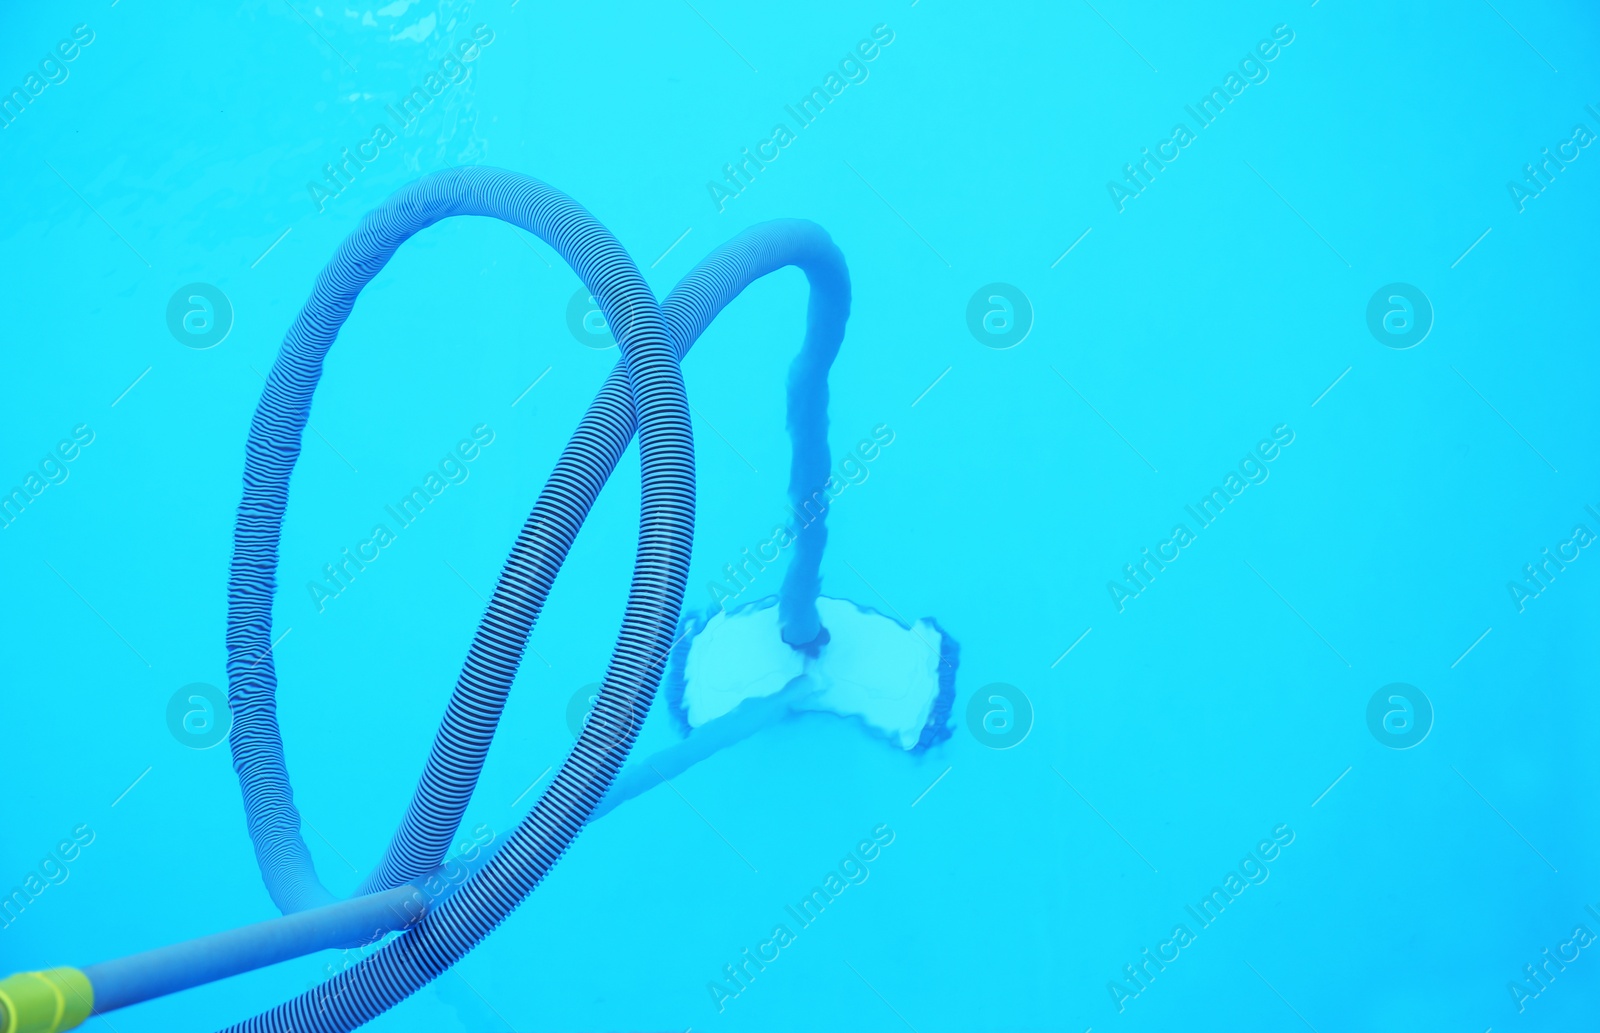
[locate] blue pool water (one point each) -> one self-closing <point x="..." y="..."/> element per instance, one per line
<point x="1323" y="760"/>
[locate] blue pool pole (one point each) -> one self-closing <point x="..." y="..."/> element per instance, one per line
<point x="167" y="970"/>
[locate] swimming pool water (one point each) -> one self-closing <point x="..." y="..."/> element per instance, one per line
<point x="1239" y="372"/>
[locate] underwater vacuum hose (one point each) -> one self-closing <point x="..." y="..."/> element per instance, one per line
<point x="644" y="394"/>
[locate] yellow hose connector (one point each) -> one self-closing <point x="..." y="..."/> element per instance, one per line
<point x="45" y="1002"/>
